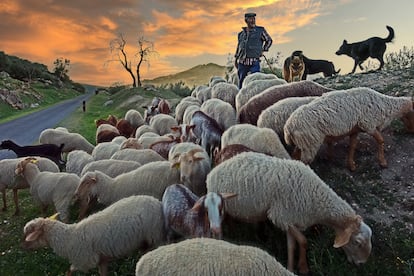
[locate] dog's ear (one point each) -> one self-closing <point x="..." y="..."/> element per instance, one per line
<point x="345" y="42"/>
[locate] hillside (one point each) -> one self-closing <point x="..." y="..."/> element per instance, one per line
<point x="197" y="75"/>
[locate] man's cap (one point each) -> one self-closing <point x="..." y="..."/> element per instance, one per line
<point x="249" y="14"/>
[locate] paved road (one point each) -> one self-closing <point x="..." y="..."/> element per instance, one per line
<point x="26" y="130"/>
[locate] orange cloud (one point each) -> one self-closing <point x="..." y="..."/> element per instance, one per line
<point x="189" y="32"/>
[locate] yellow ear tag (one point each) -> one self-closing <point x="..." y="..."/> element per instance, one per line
<point x="54" y="217"/>
<point x="34" y="161"/>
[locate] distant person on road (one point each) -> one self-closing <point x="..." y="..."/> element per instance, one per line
<point x="252" y="42"/>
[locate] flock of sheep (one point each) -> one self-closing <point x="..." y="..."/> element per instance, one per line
<point x="169" y="175"/>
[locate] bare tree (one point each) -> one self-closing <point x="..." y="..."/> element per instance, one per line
<point x="144" y="54"/>
<point x="117" y="47"/>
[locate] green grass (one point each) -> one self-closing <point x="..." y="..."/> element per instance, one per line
<point x="393" y="247"/>
<point x="47" y="97"/>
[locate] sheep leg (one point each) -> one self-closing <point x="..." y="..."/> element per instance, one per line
<point x="16" y="202"/>
<point x="303" y="244"/>
<point x="291" y="244"/>
<point x="351" y="153"/>
<point x="381" y="156"/>
<point x="296" y="154"/>
<point x="103" y="266"/>
<point x="4" y="201"/>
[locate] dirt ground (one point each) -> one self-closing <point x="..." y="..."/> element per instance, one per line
<point x="383" y="195"/>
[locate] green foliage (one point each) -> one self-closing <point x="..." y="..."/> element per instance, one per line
<point x="179" y="88"/>
<point x="61" y="69"/>
<point x="402" y="59"/>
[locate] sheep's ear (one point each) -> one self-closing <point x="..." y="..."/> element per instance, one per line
<point x="342" y="236"/>
<point x="199" y="204"/>
<point x="33" y="236"/>
<point x="54" y="217"/>
<point x="228" y="195"/>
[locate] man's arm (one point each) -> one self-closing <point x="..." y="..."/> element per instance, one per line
<point x="267" y="40"/>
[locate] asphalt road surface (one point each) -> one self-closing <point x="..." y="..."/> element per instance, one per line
<point x="26" y="130"/>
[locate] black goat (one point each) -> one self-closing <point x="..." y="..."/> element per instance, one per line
<point x="207" y="130"/>
<point x="51" y="151"/>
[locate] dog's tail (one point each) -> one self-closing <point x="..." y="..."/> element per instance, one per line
<point x="390" y="35"/>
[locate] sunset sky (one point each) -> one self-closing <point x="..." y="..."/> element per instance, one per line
<point x="188" y="33"/>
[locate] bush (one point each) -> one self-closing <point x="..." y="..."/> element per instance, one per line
<point x="403" y="59"/>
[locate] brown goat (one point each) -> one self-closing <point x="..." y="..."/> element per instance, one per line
<point x="125" y="128"/>
<point x="229" y="152"/>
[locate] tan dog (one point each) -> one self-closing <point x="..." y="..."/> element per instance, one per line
<point x="293" y="68"/>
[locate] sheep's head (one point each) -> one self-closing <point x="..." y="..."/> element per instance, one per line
<point x="211" y="206"/>
<point x="86" y="193"/>
<point x="34" y="234"/>
<point x="355" y="239"/>
<point x="187" y="161"/>
<point x="22" y="165"/>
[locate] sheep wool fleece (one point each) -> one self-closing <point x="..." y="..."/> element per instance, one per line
<point x="204" y="256"/>
<point x="287" y="192"/>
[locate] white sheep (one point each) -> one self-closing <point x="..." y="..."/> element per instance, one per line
<point x="194" y="166"/>
<point x="130" y="143"/>
<point x="57" y="188"/>
<point x="119" y="140"/>
<point x="149" y="138"/>
<point x="105" y="150"/>
<point x="293" y="197"/>
<point x="162" y="123"/>
<point x="191" y="216"/>
<point x="149" y="179"/>
<point x="72" y="141"/>
<point x="276" y="115"/>
<point x="342" y="113"/>
<point x="111" y="167"/>
<point x="197" y="89"/>
<point x="215" y="80"/>
<point x="76" y="160"/>
<point x="226" y="92"/>
<point x="182" y="106"/>
<point x="254" y="88"/>
<point x="262" y="140"/>
<point x="8" y="179"/>
<point x="143" y="129"/>
<point x="113" y="233"/>
<point x="180" y="148"/>
<point x="203" y="94"/>
<point x="134" y="118"/>
<point x="221" y="111"/>
<point x="258" y="76"/>
<point x="188" y="113"/>
<point x="205" y="256"/>
<point x="142" y="156"/>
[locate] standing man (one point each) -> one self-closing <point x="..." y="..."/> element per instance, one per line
<point x="252" y="42"/>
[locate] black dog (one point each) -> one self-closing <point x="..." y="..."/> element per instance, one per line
<point x="315" y="66"/>
<point x="373" y="47"/>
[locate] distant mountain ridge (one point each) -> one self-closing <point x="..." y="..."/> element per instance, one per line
<point x="194" y="76"/>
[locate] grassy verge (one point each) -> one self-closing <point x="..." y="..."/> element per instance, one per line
<point x="43" y="96"/>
